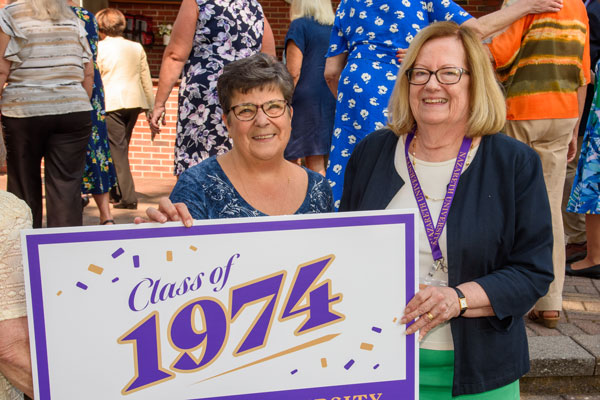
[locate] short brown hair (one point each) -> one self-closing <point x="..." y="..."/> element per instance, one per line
<point x="487" y="114"/>
<point x="111" y="22"/>
<point x="255" y="72"/>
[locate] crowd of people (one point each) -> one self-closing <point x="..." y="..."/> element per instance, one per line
<point x="389" y="107"/>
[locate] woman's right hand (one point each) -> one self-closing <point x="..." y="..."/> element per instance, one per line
<point x="167" y="211"/>
<point x="156" y="118"/>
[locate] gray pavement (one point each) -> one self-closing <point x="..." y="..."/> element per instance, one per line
<point x="565" y="362"/>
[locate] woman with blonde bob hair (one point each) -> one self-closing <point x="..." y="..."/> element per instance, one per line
<point x="306" y="44"/>
<point x="485" y="234"/>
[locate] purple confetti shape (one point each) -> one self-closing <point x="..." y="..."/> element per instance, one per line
<point x="116" y="279"/>
<point x="81" y="285"/>
<point x="136" y="261"/>
<point x="375" y="366"/>
<point x="294" y="371"/>
<point x="118" y="252"/>
<point x="349" y="364"/>
<point x="376" y="329"/>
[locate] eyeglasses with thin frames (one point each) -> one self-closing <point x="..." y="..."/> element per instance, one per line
<point x="248" y="111"/>
<point x="445" y="76"/>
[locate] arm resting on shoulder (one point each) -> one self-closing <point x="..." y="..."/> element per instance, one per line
<point x="175" y="57"/>
<point x="491" y="23"/>
<point x="15" y="360"/>
<point x="293" y="60"/>
<point x="333" y="69"/>
<point x="268" y="40"/>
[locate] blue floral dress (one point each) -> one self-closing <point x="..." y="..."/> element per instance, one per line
<point x="99" y="174"/>
<point x="585" y="194"/>
<point x="209" y="194"/>
<point x="227" y="30"/>
<point x="370" y="32"/>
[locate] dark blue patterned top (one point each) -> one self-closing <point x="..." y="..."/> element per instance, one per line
<point x="208" y="194"/>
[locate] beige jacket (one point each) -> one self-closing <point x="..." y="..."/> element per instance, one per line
<point x="125" y="74"/>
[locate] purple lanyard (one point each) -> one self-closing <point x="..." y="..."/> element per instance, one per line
<point x="433" y="234"/>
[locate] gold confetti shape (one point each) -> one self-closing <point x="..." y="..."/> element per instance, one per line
<point x="193" y="248"/>
<point x="95" y="269"/>
<point x="366" y="346"/>
<point x="324" y="362"/>
<point x="395" y="319"/>
<point x="169" y="255"/>
<point x="59" y="293"/>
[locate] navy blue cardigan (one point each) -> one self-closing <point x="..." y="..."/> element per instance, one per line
<point x="499" y="234"/>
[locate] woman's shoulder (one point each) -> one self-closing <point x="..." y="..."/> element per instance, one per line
<point x="13" y="210"/>
<point x="201" y="172"/>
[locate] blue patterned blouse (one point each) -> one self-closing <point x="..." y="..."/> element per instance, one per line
<point x="208" y="194"/>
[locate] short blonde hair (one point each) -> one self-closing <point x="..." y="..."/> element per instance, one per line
<point x="111" y="22"/>
<point x="487" y="114"/>
<point x="320" y="10"/>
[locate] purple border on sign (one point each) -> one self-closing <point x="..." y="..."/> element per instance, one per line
<point x="392" y="389"/>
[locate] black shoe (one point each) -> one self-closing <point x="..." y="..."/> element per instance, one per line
<point x="126" y="206"/>
<point x="589" y="272"/>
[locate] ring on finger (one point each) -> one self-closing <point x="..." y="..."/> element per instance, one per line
<point x="430" y="316"/>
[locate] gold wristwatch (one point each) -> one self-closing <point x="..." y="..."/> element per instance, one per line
<point x="462" y="301"/>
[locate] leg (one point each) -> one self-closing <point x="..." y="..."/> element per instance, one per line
<point x="316" y="163"/>
<point x="120" y="125"/>
<point x="25" y="142"/>
<point x="64" y="162"/>
<point x="592" y="226"/>
<point x="550" y="139"/>
<point x="103" y="203"/>
<point x="574" y="223"/>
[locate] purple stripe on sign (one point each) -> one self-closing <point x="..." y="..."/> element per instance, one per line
<point x="349" y="364"/>
<point x="376" y="329"/>
<point x="116" y="279"/>
<point x="294" y="371"/>
<point x="118" y="252"/>
<point x="136" y="261"/>
<point x="81" y="285"/>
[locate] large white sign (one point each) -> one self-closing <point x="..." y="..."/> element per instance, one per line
<point x="296" y="307"/>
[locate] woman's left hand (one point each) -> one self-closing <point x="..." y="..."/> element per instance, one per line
<point x="430" y="307"/>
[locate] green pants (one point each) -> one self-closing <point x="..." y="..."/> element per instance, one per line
<point x="436" y="370"/>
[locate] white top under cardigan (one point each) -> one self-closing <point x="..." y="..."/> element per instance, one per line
<point x="433" y="178"/>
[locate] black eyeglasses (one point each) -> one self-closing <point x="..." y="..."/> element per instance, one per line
<point x="247" y="111"/>
<point x="445" y="76"/>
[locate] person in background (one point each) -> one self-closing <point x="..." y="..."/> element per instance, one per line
<point x="585" y="195"/>
<point x="126" y="76"/>
<point x="99" y="175"/>
<point x="45" y="57"/>
<point x="361" y="64"/>
<point x="253" y="178"/>
<point x="15" y="361"/>
<point x="487" y="259"/>
<point x="576" y="247"/>
<point x="207" y="35"/>
<point x="305" y="48"/>
<point x="543" y="62"/>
